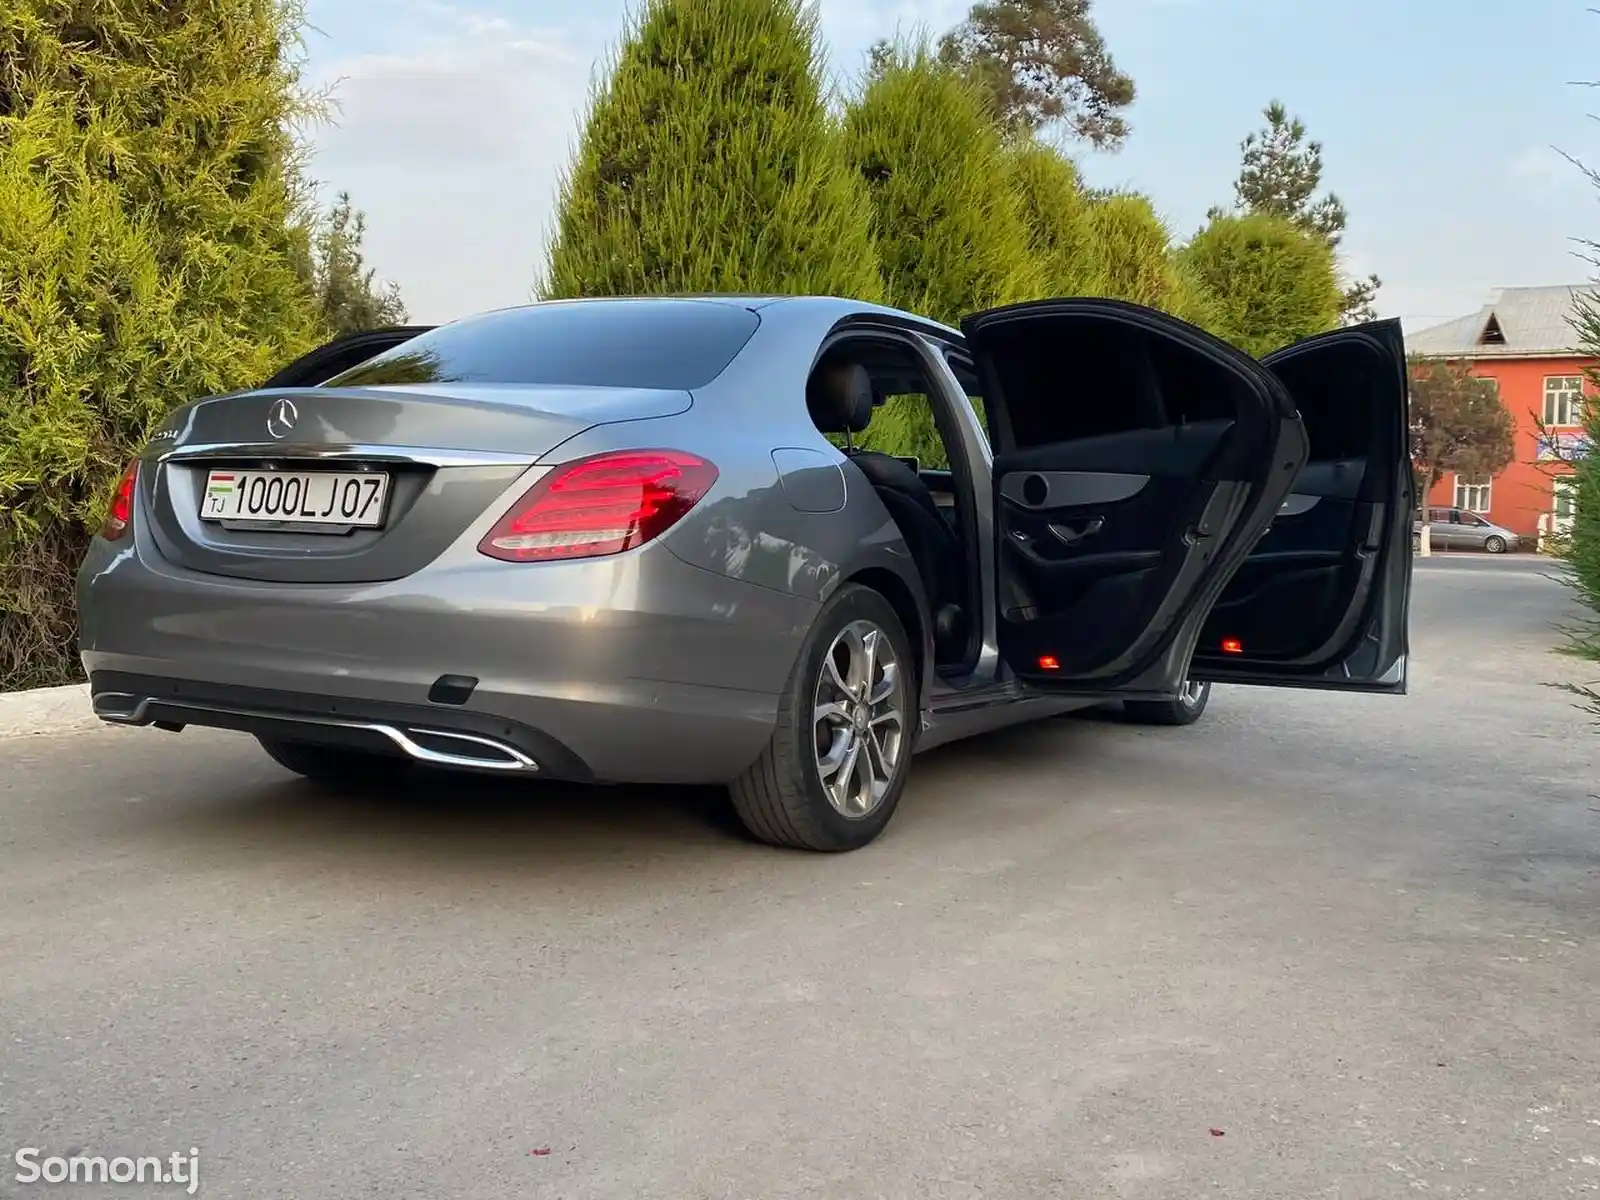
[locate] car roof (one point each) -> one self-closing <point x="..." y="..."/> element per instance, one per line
<point x="755" y="302"/>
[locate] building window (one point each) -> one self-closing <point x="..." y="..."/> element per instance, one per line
<point x="1563" y="401"/>
<point x="1472" y="494"/>
<point x="1563" y="505"/>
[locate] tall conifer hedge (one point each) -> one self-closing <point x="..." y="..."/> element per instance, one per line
<point x="151" y="203"/>
<point x="948" y="224"/>
<point x="709" y="163"/>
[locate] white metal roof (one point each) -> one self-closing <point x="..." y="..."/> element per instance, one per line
<point x="1518" y="322"/>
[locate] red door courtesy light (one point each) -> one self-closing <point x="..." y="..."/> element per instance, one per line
<point x="1047" y="662"/>
<point x="600" y="505"/>
<point x="1232" y="646"/>
<point x="119" y="513"/>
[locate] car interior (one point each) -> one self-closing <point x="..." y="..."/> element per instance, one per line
<point x="859" y="379"/>
<point x="1119" y="452"/>
<point x="1291" y="600"/>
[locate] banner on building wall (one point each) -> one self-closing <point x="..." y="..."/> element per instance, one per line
<point x="1565" y="447"/>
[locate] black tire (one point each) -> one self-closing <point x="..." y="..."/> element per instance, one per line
<point x="336" y="766"/>
<point x="781" y="799"/>
<point x="1494" y="544"/>
<point x="1182" y="711"/>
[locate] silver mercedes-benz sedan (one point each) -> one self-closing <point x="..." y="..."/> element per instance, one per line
<point x="640" y="540"/>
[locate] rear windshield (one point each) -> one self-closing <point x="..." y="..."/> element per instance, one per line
<point x="675" y="344"/>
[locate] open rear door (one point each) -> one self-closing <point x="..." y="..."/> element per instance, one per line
<point x="1137" y="460"/>
<point x="331" y="358"/>
<point x="1322" y="600"/>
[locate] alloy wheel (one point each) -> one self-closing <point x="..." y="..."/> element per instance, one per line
<point x="858" y="719"/>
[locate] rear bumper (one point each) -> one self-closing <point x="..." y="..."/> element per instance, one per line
<point x="640" y="668"/>
<point x="431" y="735"/>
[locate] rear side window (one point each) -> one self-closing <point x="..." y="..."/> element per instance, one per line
<point x="674" y="344"/>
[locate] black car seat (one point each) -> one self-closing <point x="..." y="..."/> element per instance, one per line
<point x="840" y="397"/>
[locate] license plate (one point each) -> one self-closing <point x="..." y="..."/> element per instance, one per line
<point x="297" y="497"/>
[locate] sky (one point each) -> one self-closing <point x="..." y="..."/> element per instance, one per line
<point x="1444" y="123"/>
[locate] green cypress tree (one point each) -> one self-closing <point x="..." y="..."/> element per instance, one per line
<point x="150" y="190"/>
<point x="949" y="227"/>
<point x="948" y="224"/>
<point x="1055" y="213"/>
<point x="709" y="163"/>
<point x="1271" y="282"/>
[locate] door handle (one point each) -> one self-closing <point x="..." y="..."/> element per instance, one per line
<point x="1072" y="536"/>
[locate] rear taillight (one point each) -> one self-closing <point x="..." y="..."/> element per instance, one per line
<point x="601" y="505"/>
<point x="119" y="516"/>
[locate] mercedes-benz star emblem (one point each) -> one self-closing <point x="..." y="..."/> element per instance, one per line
<point x="282" y="417"/>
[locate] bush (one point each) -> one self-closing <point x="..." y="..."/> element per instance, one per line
<point x="1190" y="298"/>
<point x="1132" y="257"/>
<point x="709" y="164"/>
<point x="149" y="200"/>
<point x="1270" y="283"/>
<point x="1113" y="245"/>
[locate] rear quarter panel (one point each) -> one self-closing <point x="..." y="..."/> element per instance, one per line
<point x="747" y="529"/>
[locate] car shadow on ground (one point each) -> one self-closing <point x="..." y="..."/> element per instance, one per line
<point x="531" y="826"/>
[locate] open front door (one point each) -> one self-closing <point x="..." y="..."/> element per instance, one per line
<point x="1137" y="460"/>
<point x="1321" y="602"/>
<point x="330" y="358"/>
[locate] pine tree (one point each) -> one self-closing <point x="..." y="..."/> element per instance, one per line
<point x="1040" y="62"/>
<point x="149" y="192"/>
<point x="1279" y="176"/>
<point x="1281" y="173"/>
<point x="709" y="164"/>
<point x="348" y="296"/>
<point x="1270" y="283"/>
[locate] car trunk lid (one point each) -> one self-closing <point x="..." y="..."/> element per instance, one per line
<point x="436" y="456"/>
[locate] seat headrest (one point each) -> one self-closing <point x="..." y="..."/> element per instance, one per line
<point x="839" y="397"/>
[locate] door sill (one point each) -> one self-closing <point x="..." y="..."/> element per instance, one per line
<point x="951" y="697"/>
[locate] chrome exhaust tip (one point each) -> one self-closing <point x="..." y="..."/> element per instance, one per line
<point x="123" y="707"/>
<point x="446" y="748"/>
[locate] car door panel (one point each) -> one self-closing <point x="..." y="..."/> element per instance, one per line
<point x="1321" y="601"/>
<point x="1294" y="569"/>
<point x="1137" y="459"/>
<point x="1070" y="489"/>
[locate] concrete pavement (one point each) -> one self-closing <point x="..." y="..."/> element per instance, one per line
<point x="1314" y="946"/>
